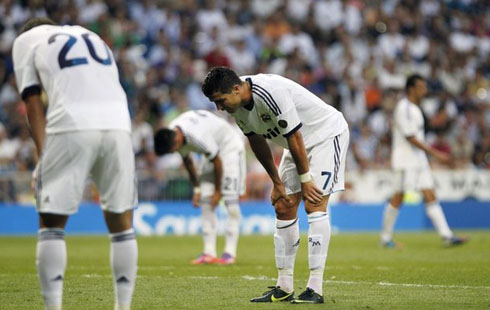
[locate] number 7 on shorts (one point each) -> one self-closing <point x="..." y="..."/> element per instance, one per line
<point x="328" y="174"/>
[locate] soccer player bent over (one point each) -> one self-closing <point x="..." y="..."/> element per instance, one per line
<point x="85" y="131"/>
<point x="315" y="138"/>
<point x="410" y="165"/>
<point x="221" y="175"/>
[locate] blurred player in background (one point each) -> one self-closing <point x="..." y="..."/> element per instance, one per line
<point x="315" y="138"/>
<point x="222" y="174"/>
<point x="86" y="131"/>
<point x="411" y="166"/>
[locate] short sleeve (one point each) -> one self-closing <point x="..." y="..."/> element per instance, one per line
<point x="287" y="117"/>
<point x="24" y="67"/>
<point x="406" y="121"/>
<point x="204" y="145"/>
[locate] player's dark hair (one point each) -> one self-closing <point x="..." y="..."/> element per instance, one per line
<point x="36" y="21"/>
<point x="411" y="80"/>
<point x="220" y="79"/>
<point x="163" y="141"/>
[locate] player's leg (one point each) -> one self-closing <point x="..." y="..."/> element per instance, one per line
<point x="390" y="216"/>
<point x="327" y="164"/>
<point x="436" y="215"/>
<point x="209" y="220"/>
<point x="286" y="242"/>
<point x="319" y="233"/>
<point x="209" y="231"/>
<point x="114" y="174"/>
<point x="403" y="180"/>
<point x="232" y="231"/>
<point x="233" y="185"/>
<point x="51" y="258"/>
<point x="62" y="172"/>
<point x="123" y="256"/>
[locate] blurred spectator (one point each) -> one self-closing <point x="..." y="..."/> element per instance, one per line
<point x="353" y="54"/>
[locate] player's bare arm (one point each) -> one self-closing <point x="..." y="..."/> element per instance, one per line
<point x="218" y="176"/>
<point x="37" y="120"/>
<point x="297" y="148"/>
<point x="442" y="157"/>
<point x="189" y="166"/>
<point x="263" y="153"/>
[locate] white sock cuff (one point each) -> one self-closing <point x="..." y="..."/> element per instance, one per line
<point x="433" y="204"/>
<point x="123" y="235"/>
<point x="390" y="206"/>
<point x="317" y="216"/>
<point x="51" y="234"/>
<point x="281" y="224"/>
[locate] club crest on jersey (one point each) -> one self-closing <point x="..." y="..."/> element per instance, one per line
<point x="265" y="117"/>
<point x="282" y="123"/>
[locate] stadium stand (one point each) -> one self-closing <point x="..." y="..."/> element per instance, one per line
<point x="354" y="54"/>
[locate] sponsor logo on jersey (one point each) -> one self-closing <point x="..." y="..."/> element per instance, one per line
<point x="271" y="133"/>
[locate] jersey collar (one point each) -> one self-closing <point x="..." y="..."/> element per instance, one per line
<point x="250" y="105"/>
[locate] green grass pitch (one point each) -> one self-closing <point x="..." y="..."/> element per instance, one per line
<point x="359" y="274"/>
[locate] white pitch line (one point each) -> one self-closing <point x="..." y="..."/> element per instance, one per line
<point x="264" y="278"/>
<point x="433" y="285"/>
<point x="156" y="267"/>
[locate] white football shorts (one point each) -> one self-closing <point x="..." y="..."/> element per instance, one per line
<point x="70" y="158"/>
<point x="326" y="162"/>
<point x="233" y="184"/>
<point x="413" y="179"/>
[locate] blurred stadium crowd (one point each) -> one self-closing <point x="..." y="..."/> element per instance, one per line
<point x="355" y="54"/>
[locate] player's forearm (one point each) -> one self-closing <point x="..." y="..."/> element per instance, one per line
<point x="37" y="121"/>
<point x="414" y="141"/>
<point x="298" y="152"/>
<point x="264" y="156"/>
<point x="218" y="172"/>
<point x="189" y="166"/>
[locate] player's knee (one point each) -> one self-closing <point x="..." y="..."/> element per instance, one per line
<point x="396" y="200"/>
<point x="314" y="207"/>
<point x="285" y="210"/>
<point x="429" y="196"/>
<point x="118" y="222"/>
<point x="234" y="211"/>
<point x="48" y="220"/>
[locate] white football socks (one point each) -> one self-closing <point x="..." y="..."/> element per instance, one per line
<point x="436" y="215"/>
<point x="209" y="227"/>
<point x="232" y="227"/>
<point x="389" y="219"/>
<point x="318" y="241"/>
<point x="124" y="260"/>
<point x="51" y="265"/>
<point x="286" y="242"/>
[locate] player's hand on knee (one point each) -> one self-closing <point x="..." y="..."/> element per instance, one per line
<point x="311" y="193"/>
<point x="215" y="198"/>
<point x="279" y="192"/>
<point x="196" y="199"/>
<point x="34" y="178"/>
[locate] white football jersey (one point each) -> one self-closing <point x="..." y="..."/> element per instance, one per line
<point x="79" y="75"/>
<point x="281" y="107"/>
<point x="407" y="121"/>
<point x="206" y="133"/>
